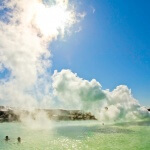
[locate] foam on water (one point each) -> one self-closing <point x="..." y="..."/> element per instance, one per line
<point x="77" y="135"/>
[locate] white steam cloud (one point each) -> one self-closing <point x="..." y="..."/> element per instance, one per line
<point x="26" y="29"/>
<point x="77" y="93"/>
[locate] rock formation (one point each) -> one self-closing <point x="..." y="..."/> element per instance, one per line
<point x="12" y="114"/>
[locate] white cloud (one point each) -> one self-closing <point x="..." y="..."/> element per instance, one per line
<point x="121" y="106"/>
<point x="93" y="9"/>
<point x="78" y="30"/>
<point x="81" y="15"/>
<point x="26" y="30"/>
<point x="77" y="93"/>
<point x="74" y="92"/>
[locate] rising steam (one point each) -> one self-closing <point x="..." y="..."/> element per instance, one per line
<point x="26" y="29"/>
<point x="109" y="106"/>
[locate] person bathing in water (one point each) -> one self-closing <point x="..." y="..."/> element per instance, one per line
<point x="19" y="139"/>
<point x="7" y="138"/>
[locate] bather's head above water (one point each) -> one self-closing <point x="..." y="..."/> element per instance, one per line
<point x="19" y="139"/>
<point x="7" y="138"/>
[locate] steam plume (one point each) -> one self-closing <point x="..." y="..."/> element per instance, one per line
<point x="26" y="29"/>
<point x="109" y="106"/>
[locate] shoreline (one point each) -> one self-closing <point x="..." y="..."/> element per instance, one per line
<point x="9" y="114"/>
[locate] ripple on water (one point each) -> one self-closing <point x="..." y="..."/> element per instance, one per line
<point x="77" y="136"/>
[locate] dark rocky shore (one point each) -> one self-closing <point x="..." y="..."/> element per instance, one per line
<point x="8" y="114"/>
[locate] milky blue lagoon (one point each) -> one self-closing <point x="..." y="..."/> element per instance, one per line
<point x="77" y="135"/>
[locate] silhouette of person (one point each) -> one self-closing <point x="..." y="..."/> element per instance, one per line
<point x="7" y="138"/>
<point x="106" y="108"/>
<point x="19" y="139"/>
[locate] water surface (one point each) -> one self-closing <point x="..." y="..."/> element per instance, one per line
<point x="77" y="135"/>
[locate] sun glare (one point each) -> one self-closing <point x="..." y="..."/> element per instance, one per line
<point x="54" y="19"/>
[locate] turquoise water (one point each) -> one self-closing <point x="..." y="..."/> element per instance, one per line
<point x="77" y="135"/>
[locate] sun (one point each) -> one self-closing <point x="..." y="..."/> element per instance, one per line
<point x="51" y="20"/>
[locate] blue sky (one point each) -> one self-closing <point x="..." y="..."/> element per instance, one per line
<point x="113" y="46"/>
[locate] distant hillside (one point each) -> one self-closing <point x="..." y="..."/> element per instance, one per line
<point x="13" y="114"/>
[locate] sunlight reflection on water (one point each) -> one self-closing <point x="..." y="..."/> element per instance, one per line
<point x="77" y="135"/>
